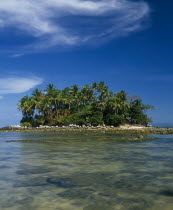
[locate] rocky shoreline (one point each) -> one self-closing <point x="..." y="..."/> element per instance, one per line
<point x="119" y="130"/>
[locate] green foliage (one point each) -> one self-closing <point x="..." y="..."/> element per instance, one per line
<point x="26" y="124"/>
<point x="114" y="119"/>
<point x="91" y="105"/>
<point x="137" y="112"/>
<point x="63" y="120"/>
<point x="39" y="120"/>
<point x="87" y="116"/>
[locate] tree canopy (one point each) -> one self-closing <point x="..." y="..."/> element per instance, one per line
<point x="89" y="105"/>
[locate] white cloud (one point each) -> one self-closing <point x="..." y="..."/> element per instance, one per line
<point x="18" y="84"/>
<point x="16" y="55"/>
<point x="72" y="22"/>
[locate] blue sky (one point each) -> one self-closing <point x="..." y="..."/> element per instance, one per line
<point x="128" y="44"/>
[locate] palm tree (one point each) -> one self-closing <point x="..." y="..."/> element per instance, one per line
<point x="74" y="90"/>
<point x="37" y="97"/>
<point x="119" y="103"/>
<point x="53" y="95"/>
<point x="26" y="105"/>
<point x="50" y="87"/>
<point x="53" y="106"/>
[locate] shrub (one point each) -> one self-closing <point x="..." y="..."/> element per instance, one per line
<point x="115" y="120"/>
<point x="26" y="124"/>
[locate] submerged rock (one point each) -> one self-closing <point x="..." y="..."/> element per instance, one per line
<point x="61" y="182"/>
<point x="99" y="206"/>
<point x="33" y="170"/>
<point x="168" y="192"/>
<point x="33" y="182"/>
<point x="77" y="193"/>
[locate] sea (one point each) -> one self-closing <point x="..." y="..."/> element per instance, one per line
<point x="85" y="171"/>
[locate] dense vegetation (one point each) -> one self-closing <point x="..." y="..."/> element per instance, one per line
<point x="90" y="105"/>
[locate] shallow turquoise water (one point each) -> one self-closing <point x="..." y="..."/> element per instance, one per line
<point x="70" y="171"/>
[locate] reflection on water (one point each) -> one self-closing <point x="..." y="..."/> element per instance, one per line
<point x="68" y="171"/>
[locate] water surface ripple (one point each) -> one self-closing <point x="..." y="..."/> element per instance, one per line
<point x="85" y="171"/>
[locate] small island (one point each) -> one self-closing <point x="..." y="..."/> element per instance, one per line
<point x="91" y="105"/>
<point x="89" y="108"/>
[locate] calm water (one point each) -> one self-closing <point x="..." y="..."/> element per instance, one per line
<point x="85" y="171"/>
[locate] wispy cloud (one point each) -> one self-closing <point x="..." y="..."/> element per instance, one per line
<point x="53" y="23"/>
<point x="16" y="55"/>
<point x="13" y="85"/>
